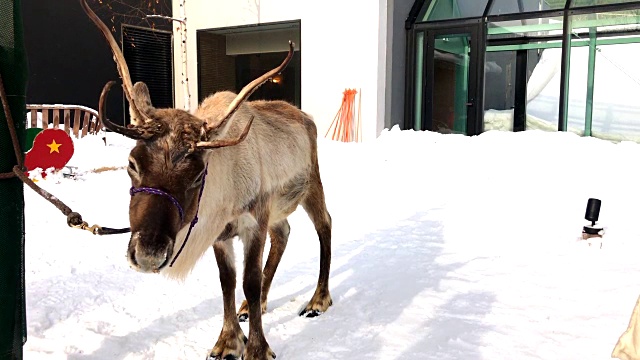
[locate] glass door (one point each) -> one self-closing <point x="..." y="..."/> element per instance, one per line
<point x="445" y="95"/>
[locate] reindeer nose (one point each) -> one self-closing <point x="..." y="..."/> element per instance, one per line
<point x="150" y="263"/>
<point x="148" y="258"/>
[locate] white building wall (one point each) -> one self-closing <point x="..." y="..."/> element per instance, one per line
<point x="341" y="47"/>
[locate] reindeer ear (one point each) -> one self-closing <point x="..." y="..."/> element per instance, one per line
<point x="143" y="102"/>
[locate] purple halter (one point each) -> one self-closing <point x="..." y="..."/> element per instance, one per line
<point x="155" y="191"/>
<point x="175" y="202"/>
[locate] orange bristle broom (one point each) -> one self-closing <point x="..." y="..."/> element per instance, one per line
<point x="345" y="128"/>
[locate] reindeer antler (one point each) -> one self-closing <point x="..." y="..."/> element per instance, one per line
<point x="118" y="57"/>
<point x="226" y="142"/>
<point x="142" y="132"/>
<point x="235" y="104"/>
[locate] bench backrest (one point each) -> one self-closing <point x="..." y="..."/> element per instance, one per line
<point x="76" y="120"/>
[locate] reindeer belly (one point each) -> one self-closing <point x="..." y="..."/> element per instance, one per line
<point x="286" y="199"/>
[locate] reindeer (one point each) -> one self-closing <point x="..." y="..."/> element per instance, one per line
<point x="241" y="167"/>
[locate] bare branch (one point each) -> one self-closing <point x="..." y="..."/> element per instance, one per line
<point x="182" y="21"/>
<point x="121" y="64"/>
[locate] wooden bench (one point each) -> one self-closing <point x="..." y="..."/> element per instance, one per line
<point x="78" y="120"/>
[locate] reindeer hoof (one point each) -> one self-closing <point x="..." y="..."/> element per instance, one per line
<point x="310" y="313"/>
<point x="317" y="306"/>
<point x="228" y="357"/>
<point x="270" y="355"/>
<point x="243" y="312"/>
<point x="228" y="347"/>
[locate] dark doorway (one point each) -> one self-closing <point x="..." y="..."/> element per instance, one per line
<point x="281" y="87"/>
<point x="230" y="58"/>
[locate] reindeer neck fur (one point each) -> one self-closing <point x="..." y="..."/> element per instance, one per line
<point x="278" y="152"/>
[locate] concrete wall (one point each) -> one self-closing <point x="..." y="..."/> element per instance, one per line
<point x="342" y="45"/>
<point x="396" y="49"/>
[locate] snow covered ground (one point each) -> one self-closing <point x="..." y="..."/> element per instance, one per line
<point x="444" y="247"/>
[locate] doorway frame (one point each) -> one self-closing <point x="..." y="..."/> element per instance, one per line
<point x="256" y="28"/>
<point x="475" y="95"/>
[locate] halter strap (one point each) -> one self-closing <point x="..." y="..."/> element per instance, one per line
<point x="195" y="218"/>
<point x="155" y="191"/>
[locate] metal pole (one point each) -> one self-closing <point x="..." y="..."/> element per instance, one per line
<point x="520" y="101"/>
<point x="588" y="116"/>
<point x="13" y="68"/>
<point x="565" y="68"/>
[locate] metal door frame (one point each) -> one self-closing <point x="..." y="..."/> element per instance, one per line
<point x="475" y="97"/>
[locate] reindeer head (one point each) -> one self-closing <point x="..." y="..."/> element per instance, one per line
<point x="166" y="166"/>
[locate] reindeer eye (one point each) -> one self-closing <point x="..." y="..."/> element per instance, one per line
<point x="132" y="166"/>
<point x="199" y="178"/>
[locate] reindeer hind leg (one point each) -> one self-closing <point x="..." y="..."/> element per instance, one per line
<point x="314" y="205"/>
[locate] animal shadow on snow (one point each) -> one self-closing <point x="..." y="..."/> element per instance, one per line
<point x="77" y="291"/>
<point x="379" y="291"/>
<point x="144" y="339"/>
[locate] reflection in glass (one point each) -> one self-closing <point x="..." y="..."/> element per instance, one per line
<point x="627" y="20"/>
<point x="536" y="28"/>
<point x="451" y="83"/>
<point x="499" y="75"/>
<point x="582" y="3"/>
<point x="616" y="109"/>
<point x="543" y="89"/>
<point x="451" y="9"/>
<point x="501" y="7"/>
<point x="419" y="66"/>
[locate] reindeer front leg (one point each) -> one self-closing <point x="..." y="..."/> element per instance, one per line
<point x="253" y="231"/>
<point x="231" y="342"/>
<point x="279" y="234"/>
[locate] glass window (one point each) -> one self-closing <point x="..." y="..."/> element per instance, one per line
<point x="534" y="28"/>
<point x="582" y="3"/>
<point x="501" y="7"/>
<point x="578" y="86"/>
<point x="543" y="89"/>
<point x="616" y="110"/>
<point x="419" y="63"/>
<point x="451" y="9"/>
<point x="543" y="72"/>
<point x="626" y="20"/>
<point x="500" y="76"/>
<point x="603" y="107"/>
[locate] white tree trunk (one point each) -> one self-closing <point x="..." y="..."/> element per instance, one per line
<point x="183" y="48"/>
<point x="182" y="30"/>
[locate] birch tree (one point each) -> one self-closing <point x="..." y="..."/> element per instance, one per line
<point x="182" y="30"/>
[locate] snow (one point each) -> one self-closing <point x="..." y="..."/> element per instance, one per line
<point x="444" y="247"/>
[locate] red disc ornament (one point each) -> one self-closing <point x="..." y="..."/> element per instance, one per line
<point x="52" y="148"/>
